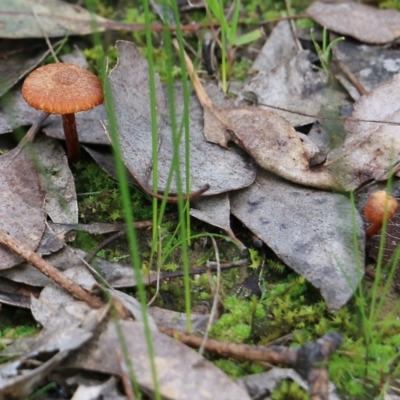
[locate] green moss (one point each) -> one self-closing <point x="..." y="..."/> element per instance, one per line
<point x="289" y="390"/>
<point x="99" y="197"/>
<point x="16" y="322"/>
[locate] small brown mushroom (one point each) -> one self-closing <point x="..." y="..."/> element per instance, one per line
<point x="63" y="89"/>
<point x="379" y="205"/>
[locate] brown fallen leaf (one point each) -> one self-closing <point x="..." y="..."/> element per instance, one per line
<point x="372" y="142"/>
<point x="271" y="141"/>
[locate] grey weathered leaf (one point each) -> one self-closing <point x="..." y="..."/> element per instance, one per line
<point x="310" y="230"/>
<point x="216" y="211"/>
<point x="19" y="378"/>
<point x="22" y="213"/>
<point x="51" y="18"/>
<point x="222" y="170"/>
<point x="182" y="373"/>
<point x="56" y="180"/>
<point x="294" y="85"/>
<point x="364" y="23"/>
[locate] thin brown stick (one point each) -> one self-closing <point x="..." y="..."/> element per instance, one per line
<point x="126" y="382"/>
<point x="291" y="17"/>
<point x="51" y="272"/>
<point x="351" y="77"/>
<point x="310" y="360"/>
<point x="277" y="355"/>
<point x="293" y="26"/>
<point x="122" y="232"/>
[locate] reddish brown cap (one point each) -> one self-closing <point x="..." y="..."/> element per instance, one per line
<point x="375" y="207"/>
<point x="62" y="89"/>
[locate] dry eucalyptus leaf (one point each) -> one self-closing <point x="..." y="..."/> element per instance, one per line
<point x="364" y="23"/>
<point x="222" y="170"/>
<point x="310" y="230"/>
<point x="52" y="298"/>
<point x="267" y="137"/>
<point x="46" y="18"/>
<point x="294" y="85"/>
<point x="279" y="45"/>
<point x="216" y="211"/>
<point x="271" y="141"/>
<point x="182" y="373"/>
<point x="370" y="147"/>
<point x="22" y="213"/>
<point x="56" y="180"/>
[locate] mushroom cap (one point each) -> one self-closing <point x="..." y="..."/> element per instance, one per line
<point x="62" y="89"/>
<point x="374" y="209"/>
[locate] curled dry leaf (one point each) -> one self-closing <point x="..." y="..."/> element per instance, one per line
<point x="22" y="213"/>
<point x="271" y="141"/>
<point x="364" y="23"/>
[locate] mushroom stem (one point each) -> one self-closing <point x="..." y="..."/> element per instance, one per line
<point x="372" y="230"/>
<point x="71" y="138"/>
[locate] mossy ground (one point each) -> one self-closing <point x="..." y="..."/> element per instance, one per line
<point x="288" y="305"/>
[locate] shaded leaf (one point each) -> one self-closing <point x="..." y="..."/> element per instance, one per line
<point x="22" y="213"/>
<point x="371" y="65"/>
<point x="216" y="211"/>
<point x="310" y="230"/>
<point x="16" y="294"/>
<point x="17" y="59"/>
<point x="364" y="23"/>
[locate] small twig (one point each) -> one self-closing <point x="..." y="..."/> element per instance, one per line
<point x="309" y="360"/>
<point x="293" y="26"/>
<point x="289" y="17"/>
<point x="103" y="244"/>
<point x="51" y="272"/>
<point x="216" y="299"/>
<point x="46" y="38"/>
<point x="351" y="77"/>
<point x="126" y="382"/>
<point x="122" y="232"/>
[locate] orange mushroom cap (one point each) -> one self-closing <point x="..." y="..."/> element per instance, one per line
<point x="62" y="89"/>
<point x="374" y="209"/>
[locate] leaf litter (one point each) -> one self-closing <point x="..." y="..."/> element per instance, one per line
<point x="288" y="222"/>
